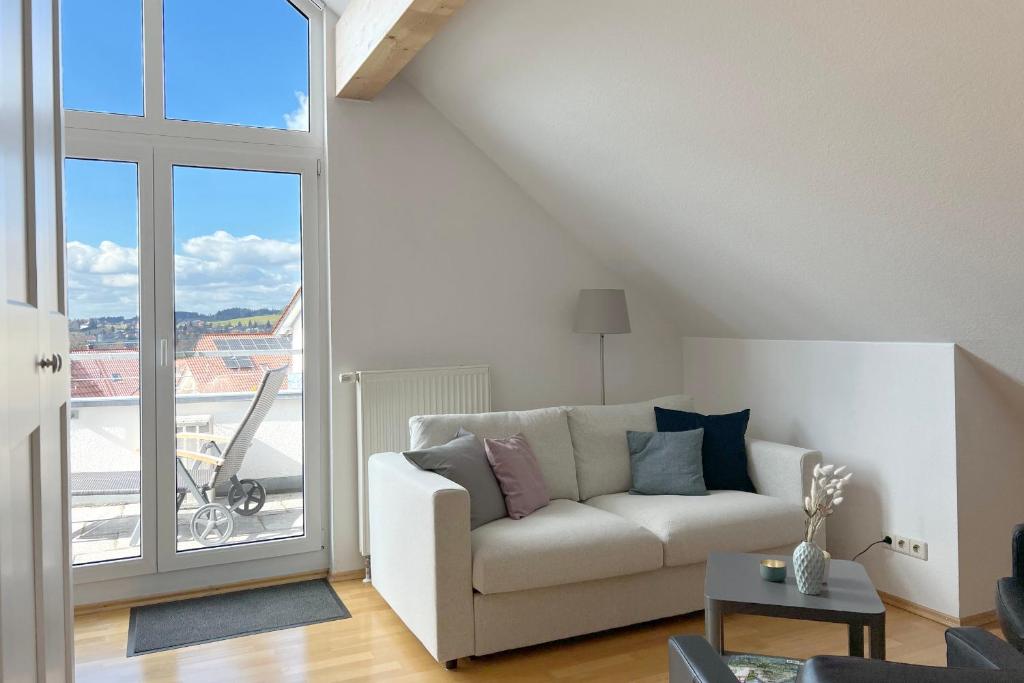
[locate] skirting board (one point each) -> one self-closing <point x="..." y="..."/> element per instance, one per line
<point x="980" y="619"/>
<point x="181" y="595"/>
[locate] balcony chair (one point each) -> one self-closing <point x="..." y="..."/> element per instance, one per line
<point x="1010" y="594"/>
<point x="973" y="655"/>
<point x="201" y="473"/>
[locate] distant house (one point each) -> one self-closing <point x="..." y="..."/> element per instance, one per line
<point x="221" y="361"/>
<point x="104" y="373"/>
<point x="229" y="362"/>
<point x="290" y="324"/>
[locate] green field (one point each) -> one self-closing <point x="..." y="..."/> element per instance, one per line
<point x="246" y="320"/>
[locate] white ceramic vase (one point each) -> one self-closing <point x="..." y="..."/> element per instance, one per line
<point x="809" y="568"/>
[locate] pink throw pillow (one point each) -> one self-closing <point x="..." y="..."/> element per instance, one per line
<point x="518" y="473"/>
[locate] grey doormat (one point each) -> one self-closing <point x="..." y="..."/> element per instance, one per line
<point x="170" y="625"/>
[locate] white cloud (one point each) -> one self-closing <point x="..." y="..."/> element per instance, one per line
<point x="225" y="249"/>
<point x="212" y="272"/>
<point x="299" y="118"/>
<point x="121" y="280"/>
<point x="108" y="258"/>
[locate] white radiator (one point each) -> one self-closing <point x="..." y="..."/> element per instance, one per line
<point x="386" y="399"/>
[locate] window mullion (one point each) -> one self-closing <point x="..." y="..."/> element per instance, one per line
<point x="153" y="49"/>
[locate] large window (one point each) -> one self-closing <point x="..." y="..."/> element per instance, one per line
<point x="194" y="249"/>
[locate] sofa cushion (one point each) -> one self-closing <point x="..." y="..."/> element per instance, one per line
<point x="692" y="526"/>
<point x="565" y="542"/>
<point x="724" y="448"/>
<point x="464" y="461"/>
<point x="546" y="430"/>
<point x="666" y="463"/>
<point x="518" y="474"/>
<point x="599" y="441"/>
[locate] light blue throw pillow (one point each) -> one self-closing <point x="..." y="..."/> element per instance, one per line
<point x="667" y="463"/>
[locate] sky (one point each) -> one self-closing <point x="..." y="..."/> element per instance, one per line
<point x="236" y="233"/>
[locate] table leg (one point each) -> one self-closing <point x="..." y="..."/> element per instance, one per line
<point x="877" y="631"/>
<point x="713" y="630"/>
<point x="856" y="640"/>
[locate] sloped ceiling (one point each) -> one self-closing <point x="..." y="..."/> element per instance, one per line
<point x="826" y="170"/>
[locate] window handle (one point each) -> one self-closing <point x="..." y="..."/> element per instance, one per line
<point x="163" y="353"/>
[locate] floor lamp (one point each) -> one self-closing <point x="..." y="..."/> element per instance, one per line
<point x="602" y="311"/>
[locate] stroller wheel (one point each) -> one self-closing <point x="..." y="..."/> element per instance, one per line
<point x="251" y="493"/>
<point x="212" y="524"/>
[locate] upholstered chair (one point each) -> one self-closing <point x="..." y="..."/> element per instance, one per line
<point x="1010" y="594"/>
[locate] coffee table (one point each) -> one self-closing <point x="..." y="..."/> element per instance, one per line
<point x="733" y="585"/>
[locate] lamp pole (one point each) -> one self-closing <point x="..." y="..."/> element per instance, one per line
<point x="603" y="402"/>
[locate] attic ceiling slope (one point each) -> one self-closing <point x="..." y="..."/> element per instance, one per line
<point x="781" y="170"/>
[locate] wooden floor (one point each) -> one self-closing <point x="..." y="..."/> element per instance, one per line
<point x="375" y="645"/>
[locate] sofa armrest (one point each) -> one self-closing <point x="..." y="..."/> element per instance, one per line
<point x="832" y="669"/>
<point x="781" y="471"/>
<point x="1017" y="552"/>
<point x="691" y="659"/>
<point x="421" y="553"/>
<point x="976" y="648"/>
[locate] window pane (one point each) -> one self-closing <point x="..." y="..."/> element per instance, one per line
<point x="246" y="65"/>
<point x="101" y="217"/>
<point x="101" y="44"/>
<point x="238" y="327"/>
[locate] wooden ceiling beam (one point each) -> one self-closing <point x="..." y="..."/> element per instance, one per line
<point x="375" y="39"/>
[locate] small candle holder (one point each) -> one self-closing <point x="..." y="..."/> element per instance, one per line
<point x="773" y="570"/>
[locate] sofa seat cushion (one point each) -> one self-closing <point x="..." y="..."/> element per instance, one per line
<point x="545" y="429"/>
<point x="690" y="527"/>
<point x="599" y="441"/>
<point x="565" y="542"/>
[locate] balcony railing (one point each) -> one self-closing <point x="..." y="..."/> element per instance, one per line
<point x="105" y="438"/>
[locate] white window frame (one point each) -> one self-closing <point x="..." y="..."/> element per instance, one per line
<point x="152" y="122"/>
<point x="166" y="158"/>
<point x="156" y="144"/>
<point x="145" y="563"/>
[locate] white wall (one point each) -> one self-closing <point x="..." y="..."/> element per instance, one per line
<point x="438" y="258"/>
<point x="990" y="472"/>
<point x="885" y="409"/>
<point x="785" y="170"/>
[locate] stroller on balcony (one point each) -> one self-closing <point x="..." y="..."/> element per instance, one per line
<point x="200" y="473"/>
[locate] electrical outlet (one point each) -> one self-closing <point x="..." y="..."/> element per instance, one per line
<point x="918" y="549"/>
<point x="911" y="547"/>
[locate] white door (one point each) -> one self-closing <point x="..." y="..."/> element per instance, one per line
<point x="35" y="629"/>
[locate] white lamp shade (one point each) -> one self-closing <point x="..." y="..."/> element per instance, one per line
<point x="602" y="311"/>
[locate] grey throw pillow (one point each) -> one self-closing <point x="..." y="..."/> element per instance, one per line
<point x="667" y="463"/>
<point x="464" y="461"/>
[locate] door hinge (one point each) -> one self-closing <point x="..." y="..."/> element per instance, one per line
<point x="318" y="167"/>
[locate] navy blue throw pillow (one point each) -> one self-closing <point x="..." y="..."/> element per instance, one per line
<point x="724" y="451"/>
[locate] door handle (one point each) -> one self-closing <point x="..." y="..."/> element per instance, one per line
<point x="54" y="363"/>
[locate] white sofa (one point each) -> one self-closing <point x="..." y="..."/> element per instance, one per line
<point x="595" y="558"/>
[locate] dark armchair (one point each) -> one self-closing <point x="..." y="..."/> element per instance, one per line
<point x="972" y="655"/>
<point x="1010" y="594"/>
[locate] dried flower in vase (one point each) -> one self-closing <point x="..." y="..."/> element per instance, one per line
<point x="827" y="482"/>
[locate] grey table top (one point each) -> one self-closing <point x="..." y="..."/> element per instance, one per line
<point x="735" y="577"/>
